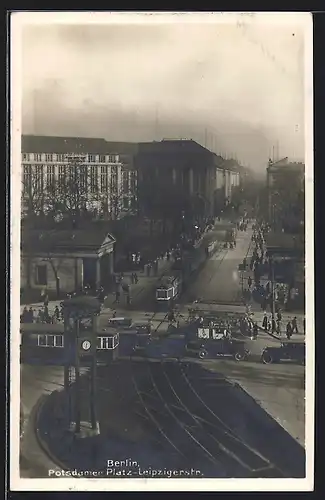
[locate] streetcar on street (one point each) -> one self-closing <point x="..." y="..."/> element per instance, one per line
<point x="168" y="290"/>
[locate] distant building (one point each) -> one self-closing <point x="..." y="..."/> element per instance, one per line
<point x="285" y="192"/>
<point x="188" y="167"/>
<point x="105" y="179"/>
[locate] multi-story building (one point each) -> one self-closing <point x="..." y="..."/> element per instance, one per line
<point x="184" y="166"/>
<point x="98" y="178"/>
<point x="285" y="192"/>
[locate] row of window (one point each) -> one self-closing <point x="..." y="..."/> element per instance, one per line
<point x="44" y="340"/>
<point x="63" y="169"/>
<point x="66" y="158"/>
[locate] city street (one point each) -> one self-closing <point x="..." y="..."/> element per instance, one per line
<point x="219" y="280"/>
<point x="278" y="389"/>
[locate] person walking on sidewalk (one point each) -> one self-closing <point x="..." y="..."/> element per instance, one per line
<point x="255" y="331"/>
<point x="249" y="281"/>
<point x="265" y="322"/>
<point x="289" y="330"/>
<point x="294" y="325"/>
<point x="136" y="279"/>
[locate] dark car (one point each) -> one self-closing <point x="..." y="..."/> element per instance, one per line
<point x="224" y="348"/>
<point x="292" y="351"/>
<point x="142" y="341"/>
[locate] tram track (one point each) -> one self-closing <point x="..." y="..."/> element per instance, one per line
<point x="200" y="431"/>
<point x="229" y="433"/>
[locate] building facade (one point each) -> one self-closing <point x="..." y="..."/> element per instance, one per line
<point x="184" y="166"/>
<point x="285" y="193"/>
<point x="61" y="261"/>
<point x="101" y="181"/>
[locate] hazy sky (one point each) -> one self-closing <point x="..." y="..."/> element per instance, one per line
<point x="239" y="88"/>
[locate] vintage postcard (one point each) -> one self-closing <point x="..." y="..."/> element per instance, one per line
<point x="162" y="303"/>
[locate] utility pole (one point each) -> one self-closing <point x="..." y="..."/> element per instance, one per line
<point x="273" y="293"/>
<point x="77" y="380"/>
<point x="156" y="122"/>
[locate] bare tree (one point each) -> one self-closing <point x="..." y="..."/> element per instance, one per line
<point x="33" y="195"/>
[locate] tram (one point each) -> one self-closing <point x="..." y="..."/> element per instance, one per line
<point x="44" y="344"/>
<point x="168" y="290"/>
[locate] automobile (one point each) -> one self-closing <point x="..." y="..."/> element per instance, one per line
<point x="293" y="351"/>
<point x="142" y="341"/>
<point x="120" y="322"/>
<point x="223" y="348"/>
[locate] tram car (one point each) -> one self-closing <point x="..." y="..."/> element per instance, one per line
<point x="45" y="344"/>
<point x="167" y="291"/>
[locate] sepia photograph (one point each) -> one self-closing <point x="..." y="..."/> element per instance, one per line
<point x="162" y="274"/>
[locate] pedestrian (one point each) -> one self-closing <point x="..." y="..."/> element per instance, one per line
<point x="289" y="330"/>
<point x="279" y="315"/>
<point x="278" y="327"/>
<point x="249" y="281"/>
<point x="40" y="316"/>
<point x="24" y="316"/>
<point x="255" y="331"/>
<point x="132" y="278"/>
<point x="294" y="325"/>
<point x="57" y="313"/>
<point x="148" y="269"/>
<point x="265" y="322"/>
<point x="136" y="279"/>
<point x="171" y="316"/>
<point x="168" y="255"/>
<point x="117" y="296"/>
<point x="114" y="314"/>
<point x="128" y="299"/>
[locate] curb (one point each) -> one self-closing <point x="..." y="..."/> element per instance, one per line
<point x="42" y="444"/>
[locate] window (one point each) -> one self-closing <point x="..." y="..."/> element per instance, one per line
<point x="102" y="159"/>
<point x="103" y="183"/>
<point x="41" y="275"/>
<point x="83" y="177"/>
<point x="38" y="179"/>
<point x="125" y="182"/>
<point x="93" y="179"/>
<point x="133" y="181"/>
<point x="60" y="158"/>
<point x="50" y="340"/>
<point x="62" y="173"/>
<point x="38" y="157"/>
<point x="92" y="158"/>
<point x="49" y="157"/>
<point x="104" y="170"/>
<point x="26" y="179"/>
<point x="111" y="159"/>
<point x="104" y="342"/>
<point x="26" y="156"/>
<point x="50" y="175"/>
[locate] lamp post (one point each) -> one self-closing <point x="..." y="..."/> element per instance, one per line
<point x="272" y="292"/>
